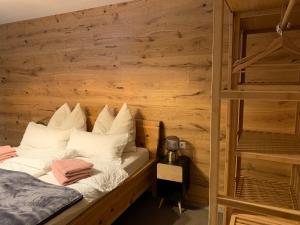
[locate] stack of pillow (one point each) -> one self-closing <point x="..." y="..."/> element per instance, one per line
<point x="64" y="119"/>
<point x="55" y="136"/>
<point x="66" y="133"/>
<point x="111" y="136"/>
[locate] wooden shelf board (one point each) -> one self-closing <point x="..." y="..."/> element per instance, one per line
<point x="273" y="67"/>
<point x="268" y="87"/>
<point x="263" y="95"/>
<point x="284" y="148"/>
<point x="281" y="158"/>
<point x="241" y="6"/>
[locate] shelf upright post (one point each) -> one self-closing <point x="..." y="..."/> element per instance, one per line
<point x="232" y="113"/>
<point x="217" y="59"/>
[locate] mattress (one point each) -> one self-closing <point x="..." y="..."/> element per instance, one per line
<point x="132" y="161"/>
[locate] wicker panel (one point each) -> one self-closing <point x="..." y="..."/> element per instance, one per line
<point x="268" y="192"/>
<point x="246" y="219"/>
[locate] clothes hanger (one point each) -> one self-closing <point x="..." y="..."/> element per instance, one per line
<point x="281" y="42"/>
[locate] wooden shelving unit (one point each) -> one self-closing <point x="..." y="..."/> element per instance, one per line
<point x="251" y="193"/>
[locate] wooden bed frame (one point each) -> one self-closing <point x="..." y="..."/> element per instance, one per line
<point x="107" y="209"/>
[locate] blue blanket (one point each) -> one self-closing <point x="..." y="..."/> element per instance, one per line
<point x="25" y="200"/>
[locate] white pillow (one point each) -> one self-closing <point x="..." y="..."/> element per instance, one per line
<point x="38" y="136"/>
<point x="122" y="123"/>
<point x="97" y="146"/>
<point x="103" y="121"/>
<point x="59" y="116"/>
<point x="75" y="119"/>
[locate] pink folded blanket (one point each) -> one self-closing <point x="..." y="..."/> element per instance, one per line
<point x="63" y="180"/>
<point x="72" y="167"/>
<point x="6" y="149"/>
<point x="7" y="156"/>
<point x="7" y="152"/>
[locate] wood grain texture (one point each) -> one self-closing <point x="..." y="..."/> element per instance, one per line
<point x="236" y="5"/>
<point x="215" y="128"/>
<point x="153" y="54"/>
<point x="169" y="172"/>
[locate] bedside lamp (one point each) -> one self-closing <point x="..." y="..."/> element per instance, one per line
<point x="172" y="143"/>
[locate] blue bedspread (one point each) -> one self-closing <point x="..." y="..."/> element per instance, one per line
<point x="25" y="200"/>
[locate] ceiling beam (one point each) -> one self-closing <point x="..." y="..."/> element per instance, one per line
<point x="265" y="21"/>
<point x="264" y="12"/>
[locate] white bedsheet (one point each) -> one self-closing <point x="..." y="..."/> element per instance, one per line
<point x="37" y="164"/>
<point x="131" y="162"/>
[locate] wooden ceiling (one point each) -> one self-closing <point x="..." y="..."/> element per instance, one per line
<point x="251" y="5"/>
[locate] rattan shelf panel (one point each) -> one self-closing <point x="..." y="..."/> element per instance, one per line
<point x="277" y="147"/>
<point x="267" y="192"/>
<point x="248" y="219"/>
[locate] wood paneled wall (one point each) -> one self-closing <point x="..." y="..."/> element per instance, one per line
<point x="153" y="54"/>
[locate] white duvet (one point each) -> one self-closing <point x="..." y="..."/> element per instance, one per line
<point x="26" y="165"/>
<point x="106" y="176"/>
<point x="35" y="162"/>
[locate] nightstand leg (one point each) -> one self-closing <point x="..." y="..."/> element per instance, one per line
<point x="179" y="207"/>
<point x="161" y="202"/>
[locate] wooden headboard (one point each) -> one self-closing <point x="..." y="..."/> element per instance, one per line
<point x="147" y="135"/>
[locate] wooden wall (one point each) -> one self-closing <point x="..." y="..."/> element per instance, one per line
<point x="153" y="54"/>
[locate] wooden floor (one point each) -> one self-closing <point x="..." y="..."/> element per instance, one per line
<point x="145" y="211"/>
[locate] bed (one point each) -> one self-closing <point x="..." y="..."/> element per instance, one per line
<point x="105" y="209"/>
<point x="106" y="194"/>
